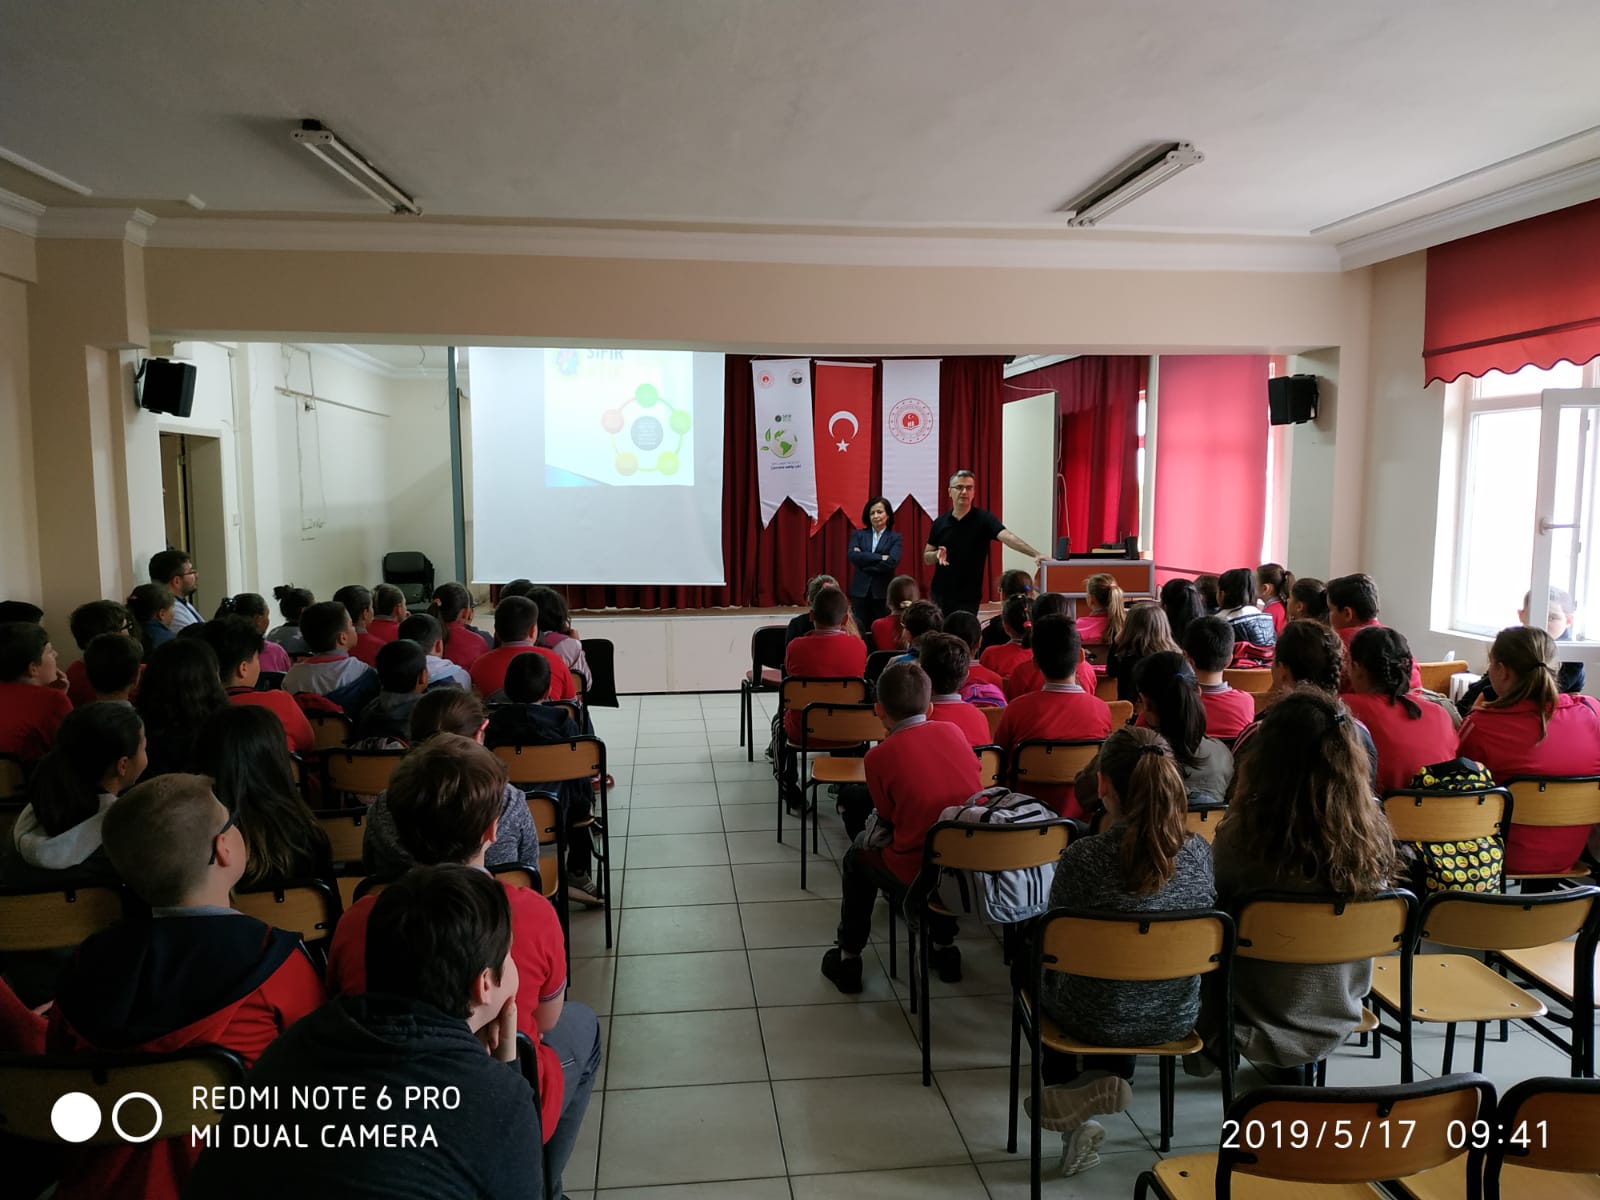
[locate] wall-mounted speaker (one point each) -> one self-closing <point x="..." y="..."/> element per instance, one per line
<point x="168" y="387"/>
<point x="1292" y="399"/>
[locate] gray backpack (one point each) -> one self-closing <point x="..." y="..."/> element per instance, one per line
<point x="1006" y="897"/>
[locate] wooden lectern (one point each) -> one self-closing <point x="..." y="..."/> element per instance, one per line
<point x="1135" y="576"/>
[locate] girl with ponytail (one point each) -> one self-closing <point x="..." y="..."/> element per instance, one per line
<point x="1145" y="861"/>
<point x="1408" y="730"/>
<point x="1274" y="585"/>
<point x="274" y="658"/>
<point x="452" y="607"/>
<point x="1169" y="703"/>
<point x="1147" y="632"/>
<point x="1026" y="677"/>
<point x="1016" y="618"/>
<point x="1533" y="729"/>
<point x="292" y="602"/>
<point x="1107" y="611"/>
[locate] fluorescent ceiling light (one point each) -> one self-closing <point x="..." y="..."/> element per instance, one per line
<point x="328" y="147"/>
<point x="1145" y="170"/>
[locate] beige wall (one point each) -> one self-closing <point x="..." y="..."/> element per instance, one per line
<point x="19" y="518"/>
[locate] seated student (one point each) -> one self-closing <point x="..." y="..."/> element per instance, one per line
<point x="88" y="622"/>
<point x="452" y="608"/>
<point x="192" y="972"/>
<point x="903" y="591"/>
<point x="389" y="609"/>
<point x="1274" y="585"/>
<point x="1061" y="711"/>
<point x="1145" y="632"/>
<point x="920" y="769"/>
<point x="1409" y="730"/>
<point x="1026" y="677"/>
<point x="1107" y="611"/>
<point x="31" y="707"/>
<point x="1209" y="644"/>
<point x="1302" y="819"/>
<point x="1015" y="620"/>
<point x="178" y="690"/>
<point x="516" y="621"/>
<point x="445" y="798"/>
<point x="20" y="610"/>
<point x="151" y="606"/>
<point x="1209" y="587"/>
<point x="330" y="671"/>
<point x="1011" y="583"/>
<point x="1254" y="632"/>
<point x="112" y="664"/>
<point x="1181" y="601"/>
<point x="1352" y="607"/>
<point x="292" y="604"/>
<point x="964" y="625"/>
<point x="402" y="668"/>
<point x="1558" y="624"/>
<point x="98" y="752"/>
<point x="357" y="601"/>
<point x="944" y="658"/>
<point x="555" y="632"/>
<point x="450" y="710"/>
<point x="1144" y="861"/>
<point x="241" y="751"/>
<point x="426" y="632"/>
<point x="1308" y="601"/>
<point x="917" y="622"/>
<point x="1169" y="702"/>
<point x="444" y="986"/>
<point x="1533" y="728"/>
<point x="237" y="643"/>
<point x="253" y="608"/>
<point x="800" y="624"/>
<point x="827" y="652"/>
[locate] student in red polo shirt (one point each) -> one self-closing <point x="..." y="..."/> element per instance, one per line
<point x="920" y="769"/>
<point x="88" y="622"/>
<point x="965" y="626"/>
<point x="1026" y="677"/>
<point x="31" y="705"/>
<point x="903" y="592"/>
<point x="1352" y="607"/>
<point x="237" y="643"/>
<point x="389" y="609"/>
<point x="1062" y="711"/>
<point x="1208" y="643"/>
<point x="944" y="658"/>
<point x="1533" y="729"/>
<point x="1409" y="730"/>
<point x="827" y="652"/>
<point x="516" y="624"/>
<point x="357" y="601"/>
<point x="463" y="645"/>
<point x="1013" y="652"/>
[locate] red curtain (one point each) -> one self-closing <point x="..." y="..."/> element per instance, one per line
<point x="1527" y="293"/>
<point x="770" y="566"/>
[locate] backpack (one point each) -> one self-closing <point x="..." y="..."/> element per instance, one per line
<point x="1007" y="897"/>
<point x="1473" y="865"/>
<point x="984" y="695"/>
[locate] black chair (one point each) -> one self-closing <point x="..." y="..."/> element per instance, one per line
<point x="602" y="657"/>
<point x="412" y="572"/>
<point x="766" y="651"/>
<point x="877" y="661"/>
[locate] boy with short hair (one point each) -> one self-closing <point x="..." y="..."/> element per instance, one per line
<point x="1208" y="644"/>
<point x="444" y="991"/>
<point x="426" y="632"/>
<point x="921" y="768"/>
<point x="88" y="622"/>
<point x="827" y="652"/>
<point x="921" y="618"/>
<point x="112" y="664"/>
<point x="445" y="798"/>
<point x="965" y="626"/>
<point x="1352" y="607"/>
<point x="237" y="644"/>
<point x="330" y="671"/>
<point x="402" y="668"/>
<point x="1061" y="711"/>
<point x="516" y="625"/>
<point x="945" y="659"/>
<point x="193" y="972"/>
<point x="31" y="706"/>
<point x="357" y="601"/>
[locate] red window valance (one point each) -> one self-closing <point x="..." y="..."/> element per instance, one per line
<point x="1523" y="294"/>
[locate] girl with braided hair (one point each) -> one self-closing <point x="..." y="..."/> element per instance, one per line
<point x="1409" y="730"/>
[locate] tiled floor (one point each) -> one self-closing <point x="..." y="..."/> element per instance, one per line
<point x="734" y="1071"/>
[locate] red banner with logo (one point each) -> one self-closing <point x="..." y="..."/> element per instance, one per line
<point x="841" y="417"/>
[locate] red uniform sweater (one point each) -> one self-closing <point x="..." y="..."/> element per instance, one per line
<point x="886" y="633"/>
<point x="296" y="728"/>
<point x="1347" y="635"/>
<point x="915" y="773"/>
<point x="1228" y="710"/>
<point x="1405" y="745"/>
<point x="463" y="646"/>
<point x="29" y="718"/>
<point x="966" y="717"/>
<point x="978" y="673"/>
<point x="78" y="689"/>
<point x="1279" y="614"/>
<point x="1055" y="716"/>
<point x="489" y="672"/>
<point x="831" y="654"/>
<point x="1028" y="678"/>
<point x="1005" y="658"/>
<point x="367" y="646"/>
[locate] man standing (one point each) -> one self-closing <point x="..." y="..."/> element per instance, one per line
<point x="959" y="544"/>
<point x="175" y="569"/>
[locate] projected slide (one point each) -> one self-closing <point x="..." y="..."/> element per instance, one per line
<point x="624" y="418"/>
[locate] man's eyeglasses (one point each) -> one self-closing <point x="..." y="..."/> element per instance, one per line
<point x="227" y="825"/>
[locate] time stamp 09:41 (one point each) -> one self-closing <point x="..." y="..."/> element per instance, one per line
<point x="1347" y="1134"/>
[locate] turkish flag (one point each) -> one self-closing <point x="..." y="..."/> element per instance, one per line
<point x="842" y="420"/>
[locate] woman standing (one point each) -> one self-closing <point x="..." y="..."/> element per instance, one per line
<point x="874" y="555"/>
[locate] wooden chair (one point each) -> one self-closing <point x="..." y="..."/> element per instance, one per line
<point x="991" y="765"/>
<point x="1436" y="675"/>
<point x="522" y="875"/>
<point x="354" y="773"/>
<point x="993" y="715"/>
<point x="308" y="907"/>
<point x="1551" y="801"/>
<point x="830" y="726"/>
<point x="1106" y="689"/>
<point x="958" y="846"/>
<point x="1311" y="930"/>
<point x="1404" y="1136"/>
<point x="1417" y="815"/>
<point x="1248" y="679"/>
<point x="1263" y="701"/>
<point x="1556" y="969"/>
<point x="794" y="695"/>
<point x="1451" y="988"/>
<point x="765" y="675"/>
<point x="1121" y="712"/>
<point x="329" y="731"/>
<point x="1203" y="819"/>
<point x="56" y="918"/>
<point x="1546" y="1140"/>
<point x="1145" y="946"/>
<point x="346" y="830"/>
<point x="31" y="1085"/>
<point x="1050" y="762"/>
<point x="13" y="777"/>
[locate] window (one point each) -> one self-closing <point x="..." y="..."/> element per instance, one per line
<point x="1499" y="474"/>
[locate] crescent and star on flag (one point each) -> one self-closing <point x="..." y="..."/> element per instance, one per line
<point x="855" y="428"/>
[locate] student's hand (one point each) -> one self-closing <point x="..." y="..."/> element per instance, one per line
<point x="499" y="1036"/>
<point x="61" y="683"/>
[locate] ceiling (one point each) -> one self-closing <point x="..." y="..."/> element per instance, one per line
<point x="888" y="115"/>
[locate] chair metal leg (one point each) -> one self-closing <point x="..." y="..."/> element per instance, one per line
<point x="1036" y="1082"/>
<point x="743" y="694"/>
<point x="924" y="944"/>
<point x="748" y="713"/>
<point x="1477" y="1046"/>
<point x="1322" y="1073"/>
<point x="605" y="861"/>
<point x="1169" y="1095"/>
<point x="893" y="965"/>
<point x="1449" y="1046"/>
<point x="1016" y="1057"/>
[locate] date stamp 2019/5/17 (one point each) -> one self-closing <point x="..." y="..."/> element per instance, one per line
<point x="1341" y="1134"/>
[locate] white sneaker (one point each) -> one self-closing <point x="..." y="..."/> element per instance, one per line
<point x="1080" y="1149"/>
<point x="1063" y="1107"/>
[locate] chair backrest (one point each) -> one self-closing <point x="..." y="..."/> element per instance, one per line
<point x="1204" y="820"/>
<point x="1489" y="921"/>
<point x="1548" y="1124"/>
<point x="994" y="716"/>
<point x="308" y="907"/>
<point x="361" y="772"/>
<point x="849" y="723"/>
<point x="13" y="777"/>
<point x="1121" y="712"/>
<point x="1563" y="800"/>
<point x="766" y="649"/>
<point x="546" y="821"/>
<point x="958" y="846"/>
<point x="555" y="762"/>
<point x="1248" y="679"/>
<point x="1436" y="675"/>
<point x="877" y="660"/>
<point x="408" y="566"/>
<point x="1106" y="688"/>
<point x="601" y="655"/>
<point x="1372" y="1133"/>
<point x="1423" y="816"/>
<point x="1323" y="930"/>
<point x="57" y="919"/>
<point x="1134" y="946"/>
<point x="796" y="692"/>
<point x="1050" y="762"/>
<point x="346" y="830"/>
<point x="991" y="765"/>
<point x="522" y="875"/>
<point x="329" y="731"/>
<point x="31" y="1085"/>
<point x="1263" y="701"/>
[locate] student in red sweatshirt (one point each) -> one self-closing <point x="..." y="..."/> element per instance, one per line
<point x="1208" y="643"/>
<point x="452" y="606"/>
<point x="389" y="609"/>
<point x="1062" y="711"/>
<point x="944" y="658"/>
<point x="88" y="622"/>
<point x="32" y="706"/>
<point x="829" y="651"/>
<point x="1015" y="617"/>
<point x="902" y="594"/>
<point x="516" y="625"/>
<point x="920" y="769"/>
<point x="1025" y="676"/>
<point x="237" y="643"/>
<point x="1352" y="607"/>
<point x="357" y="601"/>
<point x="1410" y="731"/>
<point x="965" y="626"/>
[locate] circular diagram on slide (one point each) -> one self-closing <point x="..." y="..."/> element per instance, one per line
<point x="640" y="427"/>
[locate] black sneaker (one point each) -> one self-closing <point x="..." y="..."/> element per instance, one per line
<point x="796" y="801"/>
<point x="844" y="973"/>
<point x="946" y="963"/>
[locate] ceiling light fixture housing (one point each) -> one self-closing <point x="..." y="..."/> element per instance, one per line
<point x="336" y="153"/>
<point x="1147" y="169"/>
